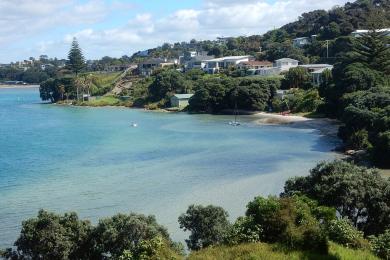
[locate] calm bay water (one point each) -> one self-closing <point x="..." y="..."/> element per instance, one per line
<point x="91" y="161"/>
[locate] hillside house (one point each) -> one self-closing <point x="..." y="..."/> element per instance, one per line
<point x="180" y="100"/>
<point x="147" y="67"/>
<point x="285" y="64"/>
<point x="316" y="71"/>
<point x="359" y="33"/>
<point x="255" y="65"/>
<point x="215" y="65"/>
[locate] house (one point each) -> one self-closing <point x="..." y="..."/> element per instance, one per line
<point x="214" y="65"/>
<point x="147" y="67"/>
<point x="359" y="33"/>
<point x="197" y="62"/>
<point x="180" y="100"/>
<point x="285" y="64"/>
<point x="254" y="65"/>
<point x="120" y="67"/>
<point x="316" y="71"/>
<point x="45" y="66"/>
<point x="301" y="41"/>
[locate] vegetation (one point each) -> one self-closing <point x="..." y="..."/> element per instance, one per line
<point x="358" y="193"/>
<point x="208" y="225"/>
<point x="270" y="251"/>
<point x="299" y="224"/>
<point x="76" y="61"/>
<point x="52" y="236"/>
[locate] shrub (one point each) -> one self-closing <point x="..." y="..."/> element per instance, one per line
<point x="208" y="225"/>
<point x="341" y="231"/>
<point x="289" y="221"/>
<point x="380" y="245"/>
<point x="244" y="230"/>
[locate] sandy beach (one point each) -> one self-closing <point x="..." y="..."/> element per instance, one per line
<point x="325" y="125"/>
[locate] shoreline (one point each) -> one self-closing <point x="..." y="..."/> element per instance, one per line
<point x="18" y="86"/>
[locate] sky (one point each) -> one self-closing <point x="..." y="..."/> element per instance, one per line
<point x="29" y="28"/>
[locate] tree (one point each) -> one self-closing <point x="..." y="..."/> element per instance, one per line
<point x="208" y="225"/>
<point x="52" y="236"/>
<point x="297" y="78"/>
<point x="358" y="193"/>
<point x="112" y="236"/>
<point x="76" y="61"/>
<point x="295" y="221"/>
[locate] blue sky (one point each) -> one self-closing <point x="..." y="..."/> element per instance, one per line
<point x="29" y="28"/>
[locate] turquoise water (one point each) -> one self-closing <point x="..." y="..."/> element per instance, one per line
<point x="91" y="161"/>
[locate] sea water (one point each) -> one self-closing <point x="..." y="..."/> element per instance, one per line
<point x="92" y="161"/>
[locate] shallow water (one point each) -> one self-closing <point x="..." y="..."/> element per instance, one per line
<point x="91" y="161"/>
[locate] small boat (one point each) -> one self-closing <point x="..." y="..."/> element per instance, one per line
<point x="235" y="122"/>
<point x="134" y="124"/>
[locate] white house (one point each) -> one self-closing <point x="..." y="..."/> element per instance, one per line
<point x="285" y="64"/>
<point x="147" y="67"/>
<point x="214" y="65"/>
<point x="316" y="71"/>
<point x="180" y="100"/>
<point x="359" y="33"/>
<point x="301" y="41"/>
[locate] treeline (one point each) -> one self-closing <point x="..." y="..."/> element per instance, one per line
<point x="338" y="201"/>
<point x="358" y="93"/>
<point x="31" y="75"/>
<point x="335" y="25"/>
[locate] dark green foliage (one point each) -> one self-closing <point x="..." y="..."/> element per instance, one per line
<point x="297" y="78"/>
<point x="290" y="221"/>
<point x="54" y="90"/>
<point x="167" y="83"/>
<point x="358" y="193"/>
<point x="76" y="61"/>
<point x="208" y="225"/>
<point x="112" y="236"/>
<point x="381" y="244"/>
<point x="51" y="236"/>
<point x="215" y="94"/>
<point x="381" y="149"/>
<point x="342" y="232"/>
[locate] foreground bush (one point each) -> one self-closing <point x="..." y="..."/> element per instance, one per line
<point x="290" y="221"/>
<point x="52" y="236"/>
<point x="381" y="245"/>
<point x="358" y="193"/>
<point x="342" y="232"/>
<point x="208" y="225"/>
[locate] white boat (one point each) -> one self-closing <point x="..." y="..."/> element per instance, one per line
<point x="134" y="124"/>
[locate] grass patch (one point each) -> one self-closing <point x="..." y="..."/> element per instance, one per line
<point x="267" y="251"/>
<point x="106" y="101"/>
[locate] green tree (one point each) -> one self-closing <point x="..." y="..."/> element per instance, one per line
<point x="297" y="78"/>
<point x="112" y="236"/>
<point x="294" y="222"/>
<point x="52" y="236"/>
<point x="76" y="61"/>
<point x="208" y="225"/>
<point x="358" y="193"/>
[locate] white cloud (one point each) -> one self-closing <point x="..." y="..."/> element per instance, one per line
<point x="19" y="18"/>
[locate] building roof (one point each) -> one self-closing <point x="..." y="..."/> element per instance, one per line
<point x="230" y="58"/>
<point x="287" y="60"/>
<point x="377" y="30"/>
<point x="256" y="63"/>
<point x="300" y="38"/>
<point x="183" y="96"/>
<point x="319" y="71"/>
<point x="316" y="66"/>
<point x="200" y="58"/>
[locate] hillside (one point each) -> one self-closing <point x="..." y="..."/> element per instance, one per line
<point x="270" y="252"/>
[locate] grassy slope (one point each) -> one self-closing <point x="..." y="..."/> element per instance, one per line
<point x="266" y="251"/>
